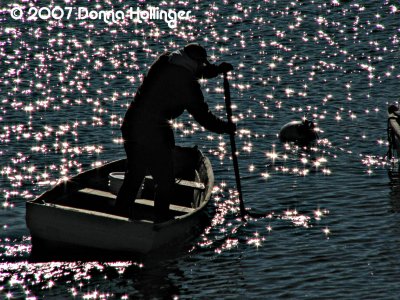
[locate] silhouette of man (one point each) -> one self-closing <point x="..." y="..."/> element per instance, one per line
<point x="170" y="86"/>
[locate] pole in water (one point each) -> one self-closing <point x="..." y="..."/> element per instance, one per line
<point x="228" y="105"/>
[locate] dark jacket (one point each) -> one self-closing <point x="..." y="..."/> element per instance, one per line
<point x="167" y="90"/>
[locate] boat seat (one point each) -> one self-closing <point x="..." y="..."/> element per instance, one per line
<point x="191" y="184"/>
<point x="146" y="202"/>
<point x="99" y="193"/>
<point x="116" y="179"/>
<point x="173" y="207"/>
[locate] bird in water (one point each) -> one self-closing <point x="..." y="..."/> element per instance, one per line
<point x="299" y="132"/>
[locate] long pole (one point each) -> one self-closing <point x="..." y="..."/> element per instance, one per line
<point x="228" y="105"/>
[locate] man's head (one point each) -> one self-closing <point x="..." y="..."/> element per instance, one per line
<point x="199" y="55"/>
<point x="204" y="69"/>
<point x="393" y="108"/>
<point x="196" y="52"/>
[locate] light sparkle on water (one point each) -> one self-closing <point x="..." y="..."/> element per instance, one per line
<point x="65" y="88"/>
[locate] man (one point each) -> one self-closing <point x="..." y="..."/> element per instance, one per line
<point x="167" y="90"/>
<point x="393" y="129"/>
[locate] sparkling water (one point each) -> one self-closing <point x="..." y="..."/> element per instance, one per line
<point x="332" y="227"/>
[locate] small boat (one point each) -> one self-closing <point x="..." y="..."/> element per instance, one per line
<point x="79" y="212"/>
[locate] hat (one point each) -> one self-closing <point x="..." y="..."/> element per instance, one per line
<point x="392" y="108"/>
<point x="196" y="52"/>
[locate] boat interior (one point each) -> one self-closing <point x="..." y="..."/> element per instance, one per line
<point x="96" y="189"/>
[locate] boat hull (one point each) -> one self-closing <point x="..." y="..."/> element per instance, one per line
<point x="65" y="226"/>
<point x="59" y="224"/>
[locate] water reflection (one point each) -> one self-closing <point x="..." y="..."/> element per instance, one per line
<point x="394" y="176"/>
<point x="298" y="160"/>
<point x="226" y="234"/>
<point x="31" y="276"/>
<point x="64" y="87"/>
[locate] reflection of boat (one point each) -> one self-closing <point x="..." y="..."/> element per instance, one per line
<point x="394" y="176"/>
<point x="77" y="212"/>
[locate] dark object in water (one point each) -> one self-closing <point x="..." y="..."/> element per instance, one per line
<point x="393" y="131"/>
<point x="299" y="132"/>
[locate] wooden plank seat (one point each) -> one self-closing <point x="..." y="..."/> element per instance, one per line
<point x="186" y="183"/>
<point x="119" y="177"/>
<point x="172" y="207"/>
<point x="146" y="202"/>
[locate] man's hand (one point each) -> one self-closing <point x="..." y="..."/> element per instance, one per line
<point x="224" y="67"/>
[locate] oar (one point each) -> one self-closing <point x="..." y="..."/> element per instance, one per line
<point x="228" y="104"/>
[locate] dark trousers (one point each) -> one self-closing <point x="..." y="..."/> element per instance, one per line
<point x="156" y="159"/>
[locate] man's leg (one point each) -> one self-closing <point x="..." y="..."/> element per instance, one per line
<point x="162" y="170"/>
<point x="136" y="170"/>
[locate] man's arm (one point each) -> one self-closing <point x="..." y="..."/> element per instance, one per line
<point x="200" y="111"/>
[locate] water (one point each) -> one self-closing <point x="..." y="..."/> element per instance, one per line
<point x="334" y="225"/>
